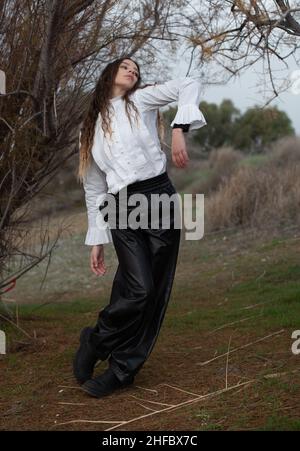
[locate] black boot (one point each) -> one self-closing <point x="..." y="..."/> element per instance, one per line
<point x="105" y="384"/>
<point x="85" y="358"/>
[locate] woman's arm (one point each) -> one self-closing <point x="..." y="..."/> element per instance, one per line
<point x="178" y="149"/>
<point x="185" y="90"/>
<point x="95" y="188"/>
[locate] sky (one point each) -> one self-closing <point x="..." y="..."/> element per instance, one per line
<point x="244" y="92"/>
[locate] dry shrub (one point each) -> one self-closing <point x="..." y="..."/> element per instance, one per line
<point x="224" y="159"/>
<point x="285" y="151"/>
<point x="255" y="197"/>
<point x="182" y="179"/>
<point x="223" y="163"/>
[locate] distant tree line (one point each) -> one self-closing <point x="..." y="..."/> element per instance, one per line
<point x="252" y="131"/>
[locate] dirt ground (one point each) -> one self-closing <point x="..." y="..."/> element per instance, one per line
<point x="223" y="359"/>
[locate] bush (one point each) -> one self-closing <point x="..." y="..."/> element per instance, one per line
<point x="255" y="197"/>
<point x="222" y="163"/>
<point x="285" y="151"/>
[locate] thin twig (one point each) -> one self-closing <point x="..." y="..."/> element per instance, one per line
<point x="91" y="421"/>
<point x="73" y="403"/>
<point x="182" y="404"/>
<point x="147" y="389"/>
<point x="177" y="406"/>
<point x="183" y="391"/>
<point x="145" y="407"/>
<point x="240" y="347"/>
<point x="269" y="376"/>
<point x="255" y="305"/>
<point x="69" y="386"/>
<point x="174" y="407"/>
<point x="14" y="324"/>
<point x="226" y="375"/>
<point x="152" y="402"/>
<point x="232" y="323"/>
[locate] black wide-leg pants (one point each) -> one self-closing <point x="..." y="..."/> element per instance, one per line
<point x="128" y="326"/>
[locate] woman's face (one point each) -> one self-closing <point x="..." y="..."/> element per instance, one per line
<point x="127" y="75"/>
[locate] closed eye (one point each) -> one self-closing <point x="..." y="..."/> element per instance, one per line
<point x="134" y="72"/>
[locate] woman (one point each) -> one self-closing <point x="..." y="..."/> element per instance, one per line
<point x="120" y="150"/>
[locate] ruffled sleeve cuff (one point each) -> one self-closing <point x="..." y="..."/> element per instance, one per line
<point x="95" y="235"/>
<point x="189" y="114"/>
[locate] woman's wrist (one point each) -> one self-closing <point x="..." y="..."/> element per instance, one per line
<point x="184" y="127"/>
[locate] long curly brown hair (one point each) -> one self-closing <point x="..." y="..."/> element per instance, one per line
<point x="100" y="103"/>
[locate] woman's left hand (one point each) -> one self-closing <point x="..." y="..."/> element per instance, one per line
<point x="179" y="152"/>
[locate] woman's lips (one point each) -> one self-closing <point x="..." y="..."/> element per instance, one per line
<point x="129" y="76"/>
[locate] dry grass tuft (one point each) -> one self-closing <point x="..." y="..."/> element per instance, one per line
<point x="256" y="197"/>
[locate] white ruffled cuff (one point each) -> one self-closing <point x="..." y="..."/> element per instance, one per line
<point x="95" y="235"/>
<point x="189" y="114"/>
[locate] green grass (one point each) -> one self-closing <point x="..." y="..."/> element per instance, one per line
<point x="278" y="422"/>
<point x="255" y="160"/>
<point x="274" y="243"/>
<point x="278" y="292"/>
<point x="274" y="285"/>
<point x="55" y="310"/>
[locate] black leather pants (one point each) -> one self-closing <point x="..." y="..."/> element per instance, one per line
<point x="129" y="325"/>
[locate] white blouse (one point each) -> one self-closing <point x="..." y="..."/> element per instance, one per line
<point x="134" y="154"/>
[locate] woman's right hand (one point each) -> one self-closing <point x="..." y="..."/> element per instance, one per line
<point x="180" y="156"/>
<point x="97" y="260"/>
